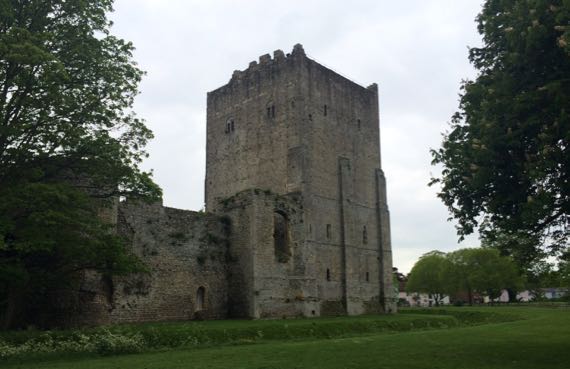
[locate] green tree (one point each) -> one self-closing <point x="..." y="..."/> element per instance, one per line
<point x="506" y="159"/>
<point x="69" y="145"/>
<point x="427" y="276"/>
<point x="482" y="271"/>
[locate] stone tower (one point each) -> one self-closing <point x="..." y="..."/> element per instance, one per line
<point x="293" y="159"/>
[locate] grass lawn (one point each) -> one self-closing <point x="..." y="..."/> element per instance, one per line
<point x="541" y="340"/>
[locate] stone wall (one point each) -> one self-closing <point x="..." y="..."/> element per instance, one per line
<point x="290" y="125"/>
<point x="186" y="254"/>
<point x="254" y="128"/>
<point x="272" y="273"/>
<point x="185" y="251"/>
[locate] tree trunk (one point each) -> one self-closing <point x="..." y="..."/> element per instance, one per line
<point x="512" y="295"/>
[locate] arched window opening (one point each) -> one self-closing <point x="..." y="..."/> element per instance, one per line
<point x="329" y="231"/>
<point x="200" y="298"/>
<point x="367" y="277"/>
<point x="328" y="274"/>
<point x="325" y="110"/>
<point x="281" y="239"/>
<point x="270" y="110"/>
<point x="359" y="124"/>
<point x="364" y="235"/>
<point x="230" y="125"/>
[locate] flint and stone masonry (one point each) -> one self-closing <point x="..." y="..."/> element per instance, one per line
<point x="296" y="220"/>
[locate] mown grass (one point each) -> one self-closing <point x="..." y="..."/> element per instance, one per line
<point x="540" y="340"/>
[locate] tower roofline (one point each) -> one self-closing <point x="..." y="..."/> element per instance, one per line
<point x="280" y="58"/>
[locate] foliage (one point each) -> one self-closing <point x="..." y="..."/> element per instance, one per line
<point x="524" y="249"/>
<point x="69" y="142"/>
<point x="116" y="340"/>
<point x="506" y="159"/>
<point x="103" y="342"/>
<point x="547" y="275"/>
<point x="427" y="276"/>
<point x="480" y="270"/>
<point x="476" y="270"/>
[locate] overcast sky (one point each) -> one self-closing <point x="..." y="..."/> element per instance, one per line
<point x="415" y="50"/>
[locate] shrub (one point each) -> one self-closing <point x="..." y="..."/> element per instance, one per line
<point x="108" y="343"/>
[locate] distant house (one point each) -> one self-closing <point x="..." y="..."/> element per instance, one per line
<point x="526" y="296"/>
<point x="554" y="293"/>
<point x="420" y="299"/>
<point x="523" y="296"/>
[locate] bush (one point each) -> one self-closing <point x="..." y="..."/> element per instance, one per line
<point x="103" y="342"/>
<point x="108" y="343"/>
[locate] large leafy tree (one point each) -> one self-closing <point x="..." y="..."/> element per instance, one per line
<point x="506" y="158"/>
<point x="69" y="142"/>
<point x="480" y="270"/>
<point x="428" y="276"/>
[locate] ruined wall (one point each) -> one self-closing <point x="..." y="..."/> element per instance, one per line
<point x="186" y="252"/>
<point x="186" y="256"/>
<point x="270" y="255"/>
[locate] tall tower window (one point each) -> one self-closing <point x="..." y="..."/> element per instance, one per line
<point x="329" y="231"/>
<point x="325" y="110"/>
<point x="328" y="274"/>
<point x="364" y="235"/>
<point x="281" y="242"/>
<point x="270" y="110"/>
<point x="230" y="125"/>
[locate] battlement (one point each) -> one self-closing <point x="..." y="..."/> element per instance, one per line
<point x="268" y="66"/>
<point x="279" y="57"/>
<point x="264" y="63"/>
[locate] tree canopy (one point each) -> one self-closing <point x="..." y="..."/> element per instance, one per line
<point x="428" y="276"/>
<point x="506" y="158"/>
<point x="482" y="271"/>
<point x="69" y="144"/>
<point x="466" y="271"/>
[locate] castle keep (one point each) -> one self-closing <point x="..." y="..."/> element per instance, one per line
<point x="296" y="220"/>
